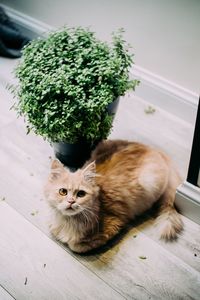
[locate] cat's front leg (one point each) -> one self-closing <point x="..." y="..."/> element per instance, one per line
<point x="59" y="233"/>
<point x="87" y="244"/>
<point x="54" y="230"/>
<point x="80" y="247"/>
<point x="111" y="227"/>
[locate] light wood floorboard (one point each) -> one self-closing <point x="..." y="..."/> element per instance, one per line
<point x="170" y="270"/>
<point x="35" y="267"/>
<point x="4" y="295"/>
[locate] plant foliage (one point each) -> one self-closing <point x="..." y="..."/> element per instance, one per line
<point x="66" y="82"/>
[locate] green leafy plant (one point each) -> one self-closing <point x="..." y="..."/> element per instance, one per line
<point x="67" y="81"/>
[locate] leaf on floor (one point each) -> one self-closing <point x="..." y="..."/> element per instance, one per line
<point x="33" y="213"/>
<point x="149" y="110"/>
<point x="142" y="257"/>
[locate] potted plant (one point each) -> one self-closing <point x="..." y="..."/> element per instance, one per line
<point x="68" y="83"/>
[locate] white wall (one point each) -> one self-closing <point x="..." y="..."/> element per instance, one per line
<point x="165" y="34"/>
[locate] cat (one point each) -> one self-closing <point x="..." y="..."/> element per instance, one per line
<point x="121" y="180"/>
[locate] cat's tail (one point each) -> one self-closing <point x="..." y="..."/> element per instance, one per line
<point x="169" y="222"/>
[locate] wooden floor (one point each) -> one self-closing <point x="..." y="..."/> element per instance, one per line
<point x="139" y="266"/>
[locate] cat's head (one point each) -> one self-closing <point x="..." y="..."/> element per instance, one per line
<point x="71" y="193"/>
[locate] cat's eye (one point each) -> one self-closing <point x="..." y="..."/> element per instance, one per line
<point x="63" y="192"/>
<point x="81" y="193"/>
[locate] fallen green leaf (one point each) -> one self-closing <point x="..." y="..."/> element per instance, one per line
<point x="149" y="110"/>
<point x="142" y="257"/>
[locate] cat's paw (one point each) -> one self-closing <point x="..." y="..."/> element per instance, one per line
<point x="53" y="230"/>
<point x="88" y="244"/>
<point x="56" y="234"/>
<point x="98" y="242"/>
<point x="80" y="247"/>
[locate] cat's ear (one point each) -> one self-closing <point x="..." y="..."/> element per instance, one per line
<point x="89" y="173"/>
<point x="56" y="164"/>
<point x="56" y="169"/>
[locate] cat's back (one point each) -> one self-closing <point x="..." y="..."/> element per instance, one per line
<point x="132" y="176"/>
<point x="121" y="162"/>
<point x="119" y="157"/>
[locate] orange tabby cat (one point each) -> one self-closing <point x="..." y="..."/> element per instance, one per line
<point x="92" y="205"/>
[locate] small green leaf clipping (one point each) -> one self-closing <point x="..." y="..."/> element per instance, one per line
<point x="142" y="257"/>
<point x="149" y="110"/>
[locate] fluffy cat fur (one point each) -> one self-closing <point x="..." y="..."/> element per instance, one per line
<point x="121" y="181"/>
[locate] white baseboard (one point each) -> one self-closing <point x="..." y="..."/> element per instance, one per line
<point x="165" y="94"/>
<point x="154" y="89"/>
<point x="188" y="201"/>
<point x="29" y="25"/>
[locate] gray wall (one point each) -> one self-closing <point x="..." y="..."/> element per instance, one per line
<point x="165" y="34"/>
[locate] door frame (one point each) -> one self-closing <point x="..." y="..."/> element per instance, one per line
<point x="188" y="194"/>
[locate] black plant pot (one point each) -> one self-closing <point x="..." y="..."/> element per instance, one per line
<point x="112" y="107"/>
<point x="75" y="155"/>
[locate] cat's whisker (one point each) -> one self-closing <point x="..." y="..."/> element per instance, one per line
<point x="93" y="217"/>
<point x="86" y="220"/>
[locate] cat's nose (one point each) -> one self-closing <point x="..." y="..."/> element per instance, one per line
<point x="71" y="200"/>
